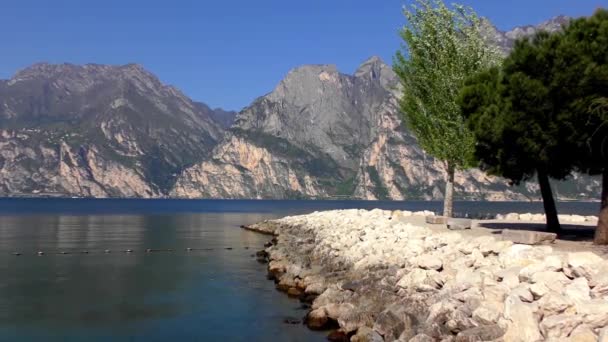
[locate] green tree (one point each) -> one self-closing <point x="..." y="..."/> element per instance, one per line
<point x="442" y="47"/>
<point x="516" y="129"/>
<point x="580" y="77"/>
<point x="544" y="111"/>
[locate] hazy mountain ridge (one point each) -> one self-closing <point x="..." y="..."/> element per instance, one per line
<point x="61" y="123"/>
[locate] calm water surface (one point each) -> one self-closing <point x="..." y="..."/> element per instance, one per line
<point x="210" y="293"/>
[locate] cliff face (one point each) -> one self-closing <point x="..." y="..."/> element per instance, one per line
<point x="117" y="131"/>
<point x="324" y="134"/>
<point x="97" y="130"/>
<point x="321" y="133"/>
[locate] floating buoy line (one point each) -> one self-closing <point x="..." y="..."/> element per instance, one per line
<point x="129" y="251"/>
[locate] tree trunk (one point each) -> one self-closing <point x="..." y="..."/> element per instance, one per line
<point x="548" y="202"/>
<point x="601" y="232"/>
<point x="448" y="199"/>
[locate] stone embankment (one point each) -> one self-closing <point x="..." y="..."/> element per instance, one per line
<point x="529" y="217"/>
<point x="374" y="276"/>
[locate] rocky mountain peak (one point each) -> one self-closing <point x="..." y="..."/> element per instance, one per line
<point x="371" y="67"/>
<point x="374" y="69"/>
<point x="506" y="39"/>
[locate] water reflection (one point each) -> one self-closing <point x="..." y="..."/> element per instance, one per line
<point x="141" y="294"/>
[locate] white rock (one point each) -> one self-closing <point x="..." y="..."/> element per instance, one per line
<point x="429" y="262"/>
<point x="603" y="335"/>
<point x="523" y="325"/>
<point x="522" y="255"/>
<point x="498" y="247"/>
<point x="554" y="303"/>
<point x="526" y="273"/>
<point x="523" y="293"/>
<point x="578" y="290"/>
<point x="582" y="333"/>
<point x="538" y="217"/>
<point x="579" y="259"/>
<point x="336" y="311"/>
<point x="553" y="280"/>
<point x="509" y="276"/>
<point x="559" y="326"/>
<point x="525" y="217"/>
<point x="538" y="290"/>
<point x="594" y="312"/>
<point x="512" y="217"/>
<point x="577" y="218"/>
<point x="487" y="314"/>
<point x="414" y="277"/>
<point x="554" y="263"/>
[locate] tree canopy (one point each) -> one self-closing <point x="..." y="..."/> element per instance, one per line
<point x="543" y="111"/>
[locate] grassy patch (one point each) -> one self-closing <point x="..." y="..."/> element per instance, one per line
<point x="379" y="190"/>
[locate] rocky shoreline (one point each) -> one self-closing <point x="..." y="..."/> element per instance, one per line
<point x="376" y="276"/>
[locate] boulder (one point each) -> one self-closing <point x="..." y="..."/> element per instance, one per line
<point x="317" y="319"/>
<point x="525" y="217"/>
<point x="460" y="320"/>
<point x="582" y="333"/>
<point x="436" y="219"/>
<point x="315" y="288"/>
<point x="415" y="276"/>
<point x="337" y="336"/>
<point x="523" y="324"/>
<point x="523" y="293"/>
<point x="495" y="247"/>
<point x="521" y="255"/>
<point x="512" y="217"/>
<point x="554" y="263"/>
<point x="483" y="333"/>
<point x="528" y="237"/>
<point x="486" y="314"/>
<point x="578" y="290"/>
<point x="366" y="334"/>
<point x="553" y="280"/>
<point x="459" y="224"/>
<point x="538" y="290"/>
<point x="584" y="264"/>
<point x="354" y="319"/>
<point x="578" y="259"/>
<point x="603" y="335"/>
<point x="509" y="276"/>
<point x="538" y="217"/>
<point x="559" y="326"/>
<point x="577" y="219"/>
<point x="599" y="281"/>
<point x="526" y="273"/>
<point x="420" y="338"/>
<point x="429" y="262"/>
<point x="554" y="303"/>
<point x="393" y="322"/>
<point x="336" y="311"/>
<point x="594" y="312"/>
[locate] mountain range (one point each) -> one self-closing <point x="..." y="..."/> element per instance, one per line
<point x="117" y="131"/>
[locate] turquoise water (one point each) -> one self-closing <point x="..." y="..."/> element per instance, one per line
<point x="216" y="291"/>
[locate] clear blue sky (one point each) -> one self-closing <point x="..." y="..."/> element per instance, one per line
<point x="227" y="52"/>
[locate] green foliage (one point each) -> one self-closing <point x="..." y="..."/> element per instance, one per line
<point x="379" y="189"/>
<point x="581" y="77"/>
<point x="346" y="187"/>
<point x="541" y="108"/>
<point x="443" y="46"/>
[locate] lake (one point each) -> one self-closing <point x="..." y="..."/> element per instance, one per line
<point x="216" y="291"/>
